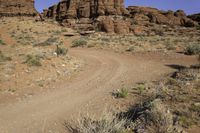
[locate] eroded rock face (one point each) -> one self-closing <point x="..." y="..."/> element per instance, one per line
<point x="111" y="16"/>
<point x="87" y="8"/>
<point x="153" y="15"/>
<point x="17" y="8"/>
<point x="195" y="17"/>
<point x="85" y="14"/>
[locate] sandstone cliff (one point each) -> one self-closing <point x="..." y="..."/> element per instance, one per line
<point x="17" y="8"/>
<point x="85" y="9"/>
<point x="111" y="16"/>
<point x="145" y="15"/>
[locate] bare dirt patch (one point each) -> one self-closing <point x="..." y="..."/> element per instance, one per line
<point x="29" y="61"/>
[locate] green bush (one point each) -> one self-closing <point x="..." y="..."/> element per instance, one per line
<point x="192" y="49"/>
<point x="141" y="88"/>
<point x="33" y="60"/>
<point x="123" y="93"/>
<point x="79" y="42"/>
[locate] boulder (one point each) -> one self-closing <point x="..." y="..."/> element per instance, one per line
<point x="107" y="25"/>
<point x="122" y="27"/>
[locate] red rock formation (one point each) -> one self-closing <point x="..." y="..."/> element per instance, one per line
<point x="79" y="13"/>
<point x="153" y="15"/>
<point x="88" y="8"/>
<point x="17" y="8"/>
<point x="111" y="16"/>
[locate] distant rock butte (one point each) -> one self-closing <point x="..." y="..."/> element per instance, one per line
<point x="153" y="15"/>
<point x="17" y="8"/>
<point x="111" y="15"/>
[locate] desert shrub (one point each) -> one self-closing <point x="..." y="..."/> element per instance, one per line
<point x="185" y="121"/>
<point x="170" y="46"/>
<point x="2" y="42"/>
<point x="130" y="49"/>
<point x="107" y="123"/>
<point x="33" y="60"/>
<point x="198" y="27"/>
<point x="49" y="41"/>
<point x="79" y="42"/>
<point x="123" y="93"/>
<point x="151" y="114"/>
<point x="61" y="50"/>
<point x="57" y="32"/>
<point x="4" y="58"/>
<point x="192" y="49"/>
<point x="141" y="88"/>
<point x="171" y="81"/>
<point x="159" y="32"/>
<point x="105" y="39"/>
<point x="195" y="108"/>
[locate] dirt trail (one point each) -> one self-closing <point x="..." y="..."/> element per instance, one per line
<point x="104" y="72"/>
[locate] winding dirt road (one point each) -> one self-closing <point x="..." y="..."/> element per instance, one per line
<point x="104" y="72"/>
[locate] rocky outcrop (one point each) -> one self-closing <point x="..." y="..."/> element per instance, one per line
<point x="113" y="25"/>
<point x="90" y="14"/>
<point x="195" y="17"/>
<point x="111" y="16"/>
<point x="144" y="15"/>
<point x="17" y="8"/>
<point x="67" y="9"/>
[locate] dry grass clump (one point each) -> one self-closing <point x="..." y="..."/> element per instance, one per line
<point x="2" y="42"/>
<point x="79" y="43"/>
<point x="192" y="49"/>
<point x="33" y="60"/>
<point x="122" y="93"/>
<point x="151" y="115"/>
<point x="107" y="123"/>
<point x="49" y="41"/>
<point x="61" y="51"/>
<point x="4" y="58"/>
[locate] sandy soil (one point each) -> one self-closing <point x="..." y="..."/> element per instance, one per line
<point x="104" y="72"/>
<point x="87" y="91"/>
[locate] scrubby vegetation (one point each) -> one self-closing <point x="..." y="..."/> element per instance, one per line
<point x="49" y="41"/>
<point x="61" y="50"/>
<point x="108" y="123"/>
<point x="2" y="42"/>
<point x="151" y="115"/>
<point x="33" y="60"/>
<point x="4" y="58"/>
<point x="172" y="105"/>
<point x="80" y="42"/>
<point x="192" y="49"/>
<point x="122" y="93"/>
